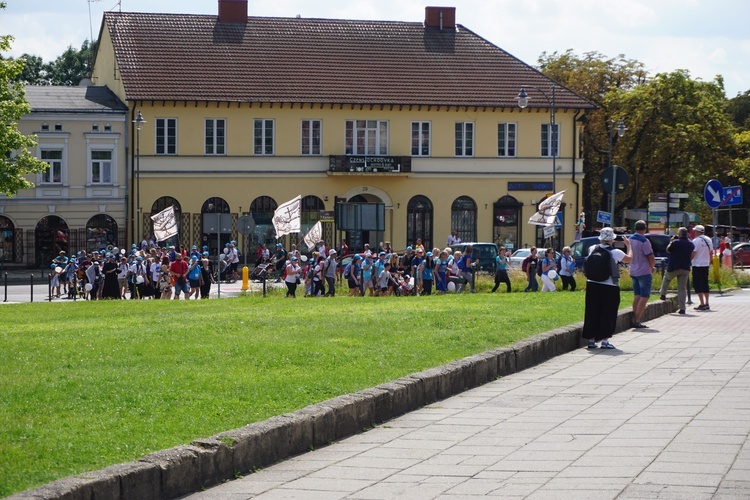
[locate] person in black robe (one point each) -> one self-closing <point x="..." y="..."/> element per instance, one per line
<point x="111" y="287"/>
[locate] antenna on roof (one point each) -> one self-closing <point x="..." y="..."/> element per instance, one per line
<point x="91" y="22"/>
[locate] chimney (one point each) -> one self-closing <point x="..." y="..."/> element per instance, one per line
<point x="440" y="17"/>
<point x="233" y="11"/>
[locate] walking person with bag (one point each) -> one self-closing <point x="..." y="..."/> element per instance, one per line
<point x="501" y="270"/>
<point x="681" y="252"/>
<point x="566" y="270"/>
<point x="603" y="289"/>
<point x="641" y="271"/>
<point x="704" y="250"/>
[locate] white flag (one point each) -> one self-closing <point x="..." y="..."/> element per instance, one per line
<point x="288" y="217"/>
<point x="546" y="214"/>
<point x="165" y="224"/>
<point x="313" y="235"/>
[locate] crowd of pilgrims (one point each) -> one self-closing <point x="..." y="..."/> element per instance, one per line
<point x="148" y="271"/>
<point x="143" y="272"/>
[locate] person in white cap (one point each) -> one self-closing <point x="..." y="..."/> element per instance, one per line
<point x="603" y="296"/>
<point x="330" y="273"/>
<point x="704" y="249"/>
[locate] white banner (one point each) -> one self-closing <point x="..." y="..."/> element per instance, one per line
<point x="313" y="235"/>
<point x="546" y="214"/>
<point x="288" y="217"/>
<point x="165" y="224"/>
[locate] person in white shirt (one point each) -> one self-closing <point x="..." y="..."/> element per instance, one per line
<point x="704" y="249"/>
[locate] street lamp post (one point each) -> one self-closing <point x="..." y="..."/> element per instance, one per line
<point x="139" y="122"/>
<point x="215" y="207"/>
<point x="620" y="130"/>
<point x="523" y="101"/>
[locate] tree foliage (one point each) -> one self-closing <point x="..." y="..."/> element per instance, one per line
<point x="738" y="109"/>
<point x="678" y="133"/>
<point x="68" y="69"/>
<point x="15" y="160"/>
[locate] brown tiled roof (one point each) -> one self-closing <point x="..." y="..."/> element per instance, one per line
<point x="271" y="60"/>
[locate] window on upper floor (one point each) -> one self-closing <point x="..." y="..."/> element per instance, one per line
<point x="54" y="158"/>
<point x="58" y="127"/>
<point x="95" y="127"/>
<point x="464" y="139"/>
<point x="262" y="137"/>
<point x="166" y="136"/>
<point x="101" y="166"/>
<point x="366" y="137"/>
<point x="420" y="138"/>
<point x="311" y="131"/>
<point x="550" y="142"/>
<point x="215" y="136"/>
<point x="506" y="139"/>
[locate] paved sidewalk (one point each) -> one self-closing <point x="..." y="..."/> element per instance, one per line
<point x="666" y="415"/>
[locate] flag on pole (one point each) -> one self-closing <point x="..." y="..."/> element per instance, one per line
<point x="288" y="217"/>
<point x="165" y="224"/>
<point x="313" y="235"/>
<point x="546" y="214"/>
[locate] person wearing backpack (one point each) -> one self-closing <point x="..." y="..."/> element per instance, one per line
<point x="528" y="266"/>
<point x="545" y="266"/>
<point x="566" y="268"/>
<point x="681" y="252"/>
<point x="603" y="289"/>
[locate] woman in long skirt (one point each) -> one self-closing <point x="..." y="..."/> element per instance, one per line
<point x="603" y="297"/>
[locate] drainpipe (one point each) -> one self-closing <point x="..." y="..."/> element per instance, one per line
<point x="573" y="178"/>
<point x="129" y="179"/>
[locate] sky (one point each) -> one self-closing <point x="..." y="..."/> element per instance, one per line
<point x="705" y="37"/>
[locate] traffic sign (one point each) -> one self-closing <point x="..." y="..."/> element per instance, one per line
<point x="731" y="196"/>
<point x="621" y="178"/>
<point x="712" y="193"/>
<point x="246" y="225"/>
<point x="678" y="195"/>
<point x="603" y="217"/>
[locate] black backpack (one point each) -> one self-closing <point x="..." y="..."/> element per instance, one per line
<point x="598" y="265"/>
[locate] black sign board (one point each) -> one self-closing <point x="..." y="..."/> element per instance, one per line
<point x="530" y="186"/>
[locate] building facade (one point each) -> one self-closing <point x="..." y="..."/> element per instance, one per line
<point x="80" y="201"/>
<point x="416" y="123"/>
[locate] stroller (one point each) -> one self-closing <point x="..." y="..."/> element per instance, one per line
<point x="404" y="286"/>
<point x="225" y="271"/>
<point x="261" y="272"/>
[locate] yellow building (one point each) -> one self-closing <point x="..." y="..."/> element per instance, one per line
<point x="419" y="122"/>
<point x="80" y="201"/>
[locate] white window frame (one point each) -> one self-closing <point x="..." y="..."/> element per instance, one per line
<point x="366" y="137"/>
<point x="507" y="140"/>
<point x="211" y="135"/>
<point x="421" y="139"/>
<point x="464" y="139"/>
<point x="264" y="145"/>
<point x="112" y="162"/>
<point x="314" y="145"/>
<point x="163" y="141"/>
<point x="40" y="179"/>
<point x="546" y="140"/>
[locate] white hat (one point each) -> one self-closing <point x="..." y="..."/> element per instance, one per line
<point x="606" y="234"/>
<point x="699" y="229"/>
<point x="331" y="252"/>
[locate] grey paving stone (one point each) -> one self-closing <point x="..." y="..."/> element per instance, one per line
<point x="679" y="479"/>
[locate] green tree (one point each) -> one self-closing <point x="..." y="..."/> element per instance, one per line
<point x="678" y="134"/>
<point x="73" y="65"/>
<point x="34" y="71"/>
<point x="15" y="160"/>
<point x="738" y="109"/>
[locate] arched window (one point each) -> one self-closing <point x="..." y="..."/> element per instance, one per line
<point x="262" y="209"/>
<point x="161" y="204"/>
<point x="419" y="221"/>
<point x="464" y="218"/>
<point x="50" y="237"/>
<point x="101" y="233"/>
<point x="7" y="240"/>
<point x="216" y="220"/>
<point x="506" y="231"/>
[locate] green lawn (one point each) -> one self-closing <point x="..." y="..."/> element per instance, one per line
<point x="86" y="385"/>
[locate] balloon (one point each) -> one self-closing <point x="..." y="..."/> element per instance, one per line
<point x="552" y="274"/>
<point x="303" y="258"/>
<point x="451" y="286"/>
<point x="58" y="269"/>
<point x="139" y="280"/>
<point x="89" y="287"/>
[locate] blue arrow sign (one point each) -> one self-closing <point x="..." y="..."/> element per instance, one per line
<point x="731" y="196"/>
<point x="713" y="193"/>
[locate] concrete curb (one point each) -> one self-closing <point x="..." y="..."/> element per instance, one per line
<point x="182" y="470"/>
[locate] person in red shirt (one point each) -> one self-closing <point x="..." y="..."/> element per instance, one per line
<point x="178" y="270"/>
